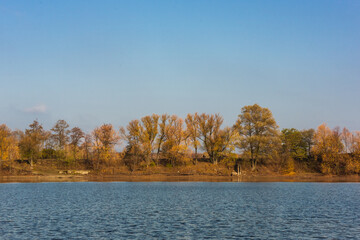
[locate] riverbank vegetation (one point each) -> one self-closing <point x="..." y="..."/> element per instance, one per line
<point x="198" y="144"/>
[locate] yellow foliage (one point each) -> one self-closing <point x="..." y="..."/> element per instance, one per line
<point x="9" y="149"/>
<point x="328" y="146"/>
<point x="105" y="138"/>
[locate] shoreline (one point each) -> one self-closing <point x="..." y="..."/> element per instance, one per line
<point x="175" y="178"/>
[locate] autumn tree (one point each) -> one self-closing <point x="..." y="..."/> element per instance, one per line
<point x="294" y="147"/>
<point x="149" y="131"/>
<point x="134" y="149"/>
<point x="294" y="143"/>
<point x="86" y="146"/>
<point x="76" y="134"/>
<point x="161" y="137"/>
<point x="353" y="163"/>
<point x="226" y="142"/>
<point x="327" y="147"/>
<point x="210" y="134"/>
<point x="308" y="138"/>
<point x="105" y="139"/>
<point x="192" y="132"/>
<point x="13" y="150"/>
<point x="258" y="133"/>
<point x="354" y="145"/>
<point x="5" y="134"/>
<point x="347" y="139"/>
<point x="32" y="142"/>
<point x="60" y="134"/>
<point x="225" y="146"/>
<point x="174" y="146"/>
<point x="8" y="146"/>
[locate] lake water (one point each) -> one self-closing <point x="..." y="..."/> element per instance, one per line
<point x="183" y="210"/>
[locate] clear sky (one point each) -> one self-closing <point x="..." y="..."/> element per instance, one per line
<point x="95" y="62"/>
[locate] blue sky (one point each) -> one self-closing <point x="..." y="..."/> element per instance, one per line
<point x="95" y="62"/>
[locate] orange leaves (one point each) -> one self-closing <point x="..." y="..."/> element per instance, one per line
<point x="7" y="143"/>
<point x="258" y="132"/>
<point x="329" y="147"/>
<point x="327" y="141"/>
<point x="105" y="138"/>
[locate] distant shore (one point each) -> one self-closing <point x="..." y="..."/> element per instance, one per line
<point x="176" y="178"/>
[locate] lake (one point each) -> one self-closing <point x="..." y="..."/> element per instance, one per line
<point x="179" y="210"/>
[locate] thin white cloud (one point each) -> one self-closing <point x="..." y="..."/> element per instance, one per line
<point x="41" y="108"/>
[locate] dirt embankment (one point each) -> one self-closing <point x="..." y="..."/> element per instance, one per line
<point x="202" y="172"/>
<point x="140" y="177"/>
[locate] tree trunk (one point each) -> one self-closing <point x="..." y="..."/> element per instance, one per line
<point x="253" y="163"/>
<point x="147" y="159"/>
<point x="157" y="156"/>
<point x="195" y="155"/>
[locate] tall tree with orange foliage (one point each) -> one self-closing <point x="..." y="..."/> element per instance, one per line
<point x="60" y="134"/>
<point x="105" y="139"/>
<point x="9" y="150"/>
<point x="308" y="138"/>
<point x="328" y="147"/>
<point x="209" y="127"/>
<point x="149" y="131"/>
<point x="76" y="134"/>
<point x="32" y="142"/>
<point x="86" y="147"/>
<point x="134" y="153"/>
<point x="5" y="142"/>
<point x="354" y="147"/>
<point x="192" y="132"/>
<point x="351" y="142"/>
<point x="347" y="139"/>
<point x="258" y="131"/>
<point x="161" y="137"/>
<point x="174" y="146"/>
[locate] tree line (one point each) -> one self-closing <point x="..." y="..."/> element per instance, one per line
<point x="253" y="140"/>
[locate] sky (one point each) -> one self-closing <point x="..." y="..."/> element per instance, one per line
<point x="95" y="62"/>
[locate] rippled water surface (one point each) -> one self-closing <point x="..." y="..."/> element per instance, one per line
<point x="188" y="210"/>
